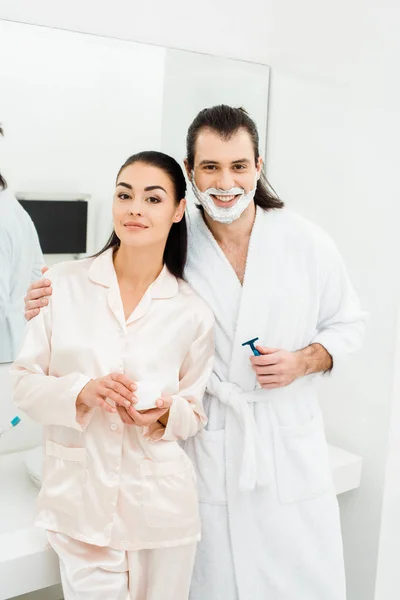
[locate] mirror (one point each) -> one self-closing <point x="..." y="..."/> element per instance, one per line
<point x="73" y="107"/>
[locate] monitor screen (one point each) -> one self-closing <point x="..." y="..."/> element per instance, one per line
<point x="61" y="224"/>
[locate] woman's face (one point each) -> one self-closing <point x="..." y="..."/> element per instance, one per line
<point x="144" y="206"/>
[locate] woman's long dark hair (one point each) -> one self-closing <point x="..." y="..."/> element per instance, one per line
<point x="3" y="182"/>
<point x="226" y="121"/>
<point x="175" y="252"/>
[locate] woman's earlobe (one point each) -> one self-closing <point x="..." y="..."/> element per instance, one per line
<point x="179" y="215"/>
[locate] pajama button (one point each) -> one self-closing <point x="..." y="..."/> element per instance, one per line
<point x="114" y="427"/>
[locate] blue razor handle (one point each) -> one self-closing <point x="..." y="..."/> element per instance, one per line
<point x="251" y="344"/>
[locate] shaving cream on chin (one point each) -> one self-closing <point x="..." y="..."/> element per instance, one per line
<point x="221" y="214"/>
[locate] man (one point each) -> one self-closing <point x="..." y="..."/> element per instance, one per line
<point x="21" y="261"/>
<point x="270" y="517"/>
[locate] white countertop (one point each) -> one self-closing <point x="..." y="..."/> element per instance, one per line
<point x="27" y="562"/>
<point x="347" y="468"/>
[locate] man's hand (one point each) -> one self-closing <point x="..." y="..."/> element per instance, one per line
<point x="131" y="416"/>
<point x="278" y="368"/>
<point x="36" y="297"/>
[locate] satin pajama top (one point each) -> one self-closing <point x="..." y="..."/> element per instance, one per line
<point x="104" y="482"/>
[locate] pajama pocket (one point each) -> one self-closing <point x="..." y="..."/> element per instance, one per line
<point x="207" y="452"/>
<point x="64" y="478"/>
<point x="301" y="460"/>
<point x="169" y="493"/>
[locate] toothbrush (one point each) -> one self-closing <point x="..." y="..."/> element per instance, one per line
<point x="12" y="424"/>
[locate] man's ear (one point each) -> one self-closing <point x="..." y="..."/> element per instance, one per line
<point x="260" y="164"/>
<point x="188" y="169"/>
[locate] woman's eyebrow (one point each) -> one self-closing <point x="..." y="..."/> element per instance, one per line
<point x="150" y="188"/>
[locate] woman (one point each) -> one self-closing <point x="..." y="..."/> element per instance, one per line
<point x="119" y="497"/>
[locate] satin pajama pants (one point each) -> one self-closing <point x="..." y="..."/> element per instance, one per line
<point x="99" y="573"/>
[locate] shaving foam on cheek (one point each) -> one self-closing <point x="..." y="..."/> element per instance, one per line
<point x="221" y="214"/>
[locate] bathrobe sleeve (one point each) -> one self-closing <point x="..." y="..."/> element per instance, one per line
<point x="38" y="260"/>
<point x="5" y="268"/>
<point x="341" y="322"/>
<point x="46" y="399"/>
<point x="186" y="415"/>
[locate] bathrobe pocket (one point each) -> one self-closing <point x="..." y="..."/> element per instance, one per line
<point x="169" y="493"/>
<point x="207" y="452"/>
<point x="64" y="478"/>
<point x="301" y="460"/>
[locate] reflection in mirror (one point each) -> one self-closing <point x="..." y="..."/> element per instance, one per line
<point x="21" y="261"/>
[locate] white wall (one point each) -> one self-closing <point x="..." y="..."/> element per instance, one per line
<point x="388" y="577"/>
<point x="332" y="149"/>
<point x="333" y="131"/>
<point x="333" y="156"/>
<point x="220" y="28"/>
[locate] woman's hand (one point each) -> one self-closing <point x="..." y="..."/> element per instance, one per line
<point x="131" y="416"/>
<point x="115" y="386"/>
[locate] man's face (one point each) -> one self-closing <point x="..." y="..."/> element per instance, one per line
<point x="225" y="164"/>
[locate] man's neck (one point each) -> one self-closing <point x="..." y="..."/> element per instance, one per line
<point x="239" y="230"/>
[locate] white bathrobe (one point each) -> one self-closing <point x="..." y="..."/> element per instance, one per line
<point x="21" y="261"/>
<point x="270" y="518"/>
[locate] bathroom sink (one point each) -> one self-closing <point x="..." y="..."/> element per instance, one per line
<point x="24" y="549"/>
<point x="346" y="468"/>
<point x="27" y="562"/>
<point x="17" y="494"/>
<point x="34" y="464"/>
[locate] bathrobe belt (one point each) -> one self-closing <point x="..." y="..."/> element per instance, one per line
<point x="255" y="469"/>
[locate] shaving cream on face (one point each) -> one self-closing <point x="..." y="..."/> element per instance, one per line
<point x="219" y="213"/>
